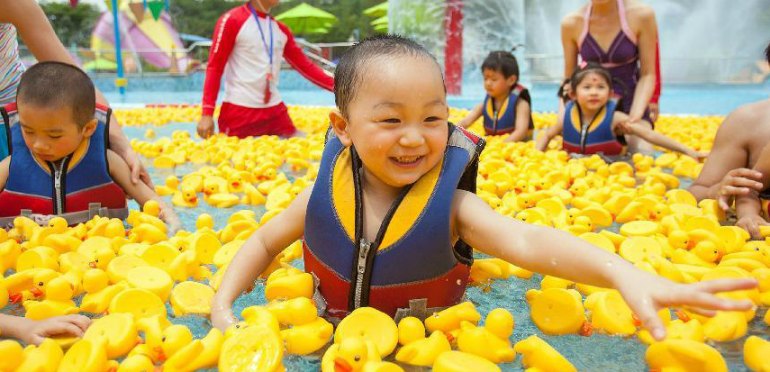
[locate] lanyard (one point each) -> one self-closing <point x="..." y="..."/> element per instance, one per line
<point x="269" y="49"/>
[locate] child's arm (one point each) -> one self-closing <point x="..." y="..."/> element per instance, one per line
<point x="553" y="252"/>
<point x="522" y="122"/>
<point x="472" y="116"/>
<point x="255" y="255"/>
<point x="748" y="207"/>
<point x="549" y="133"/>
<point x="140" y="191"/>
<point x="35" y="331"/>
<point x="644" y="130"/>
<point x="4" y="169"/>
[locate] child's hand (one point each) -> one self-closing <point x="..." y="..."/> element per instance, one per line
<point x="739" y="181"/>
<point x="171" y="219"/>
<point x="697" y="155"/>
<point x="646" y="294"/>
<point x="222" y="316"/>
<point x="35" y="331"/>
<point x="751" y="224"/>
<point x="542" y="142"/>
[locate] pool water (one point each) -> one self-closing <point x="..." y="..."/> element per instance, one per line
<point x="595" y="353"/>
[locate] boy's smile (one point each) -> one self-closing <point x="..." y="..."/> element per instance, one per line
<point x="397" y="120"/>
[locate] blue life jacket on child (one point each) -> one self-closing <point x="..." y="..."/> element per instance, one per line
<point x="503" y="120"/>
<point x="77" y="188"/>
<point x="594" y="137"/>
<point x="413" y="256"/>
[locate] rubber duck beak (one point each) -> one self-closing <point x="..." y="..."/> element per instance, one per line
<point x="36" y="291"/>
<point x="342" y="365"/>
<point x="92" y="264"/>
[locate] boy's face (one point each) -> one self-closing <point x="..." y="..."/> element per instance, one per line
<point x="397" y="119"/>
<point x="592" y="92"/>
<point x="496" y="84"/>
<point x="50" y="132"/>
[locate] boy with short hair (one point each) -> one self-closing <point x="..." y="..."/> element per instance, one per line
<point x="60" y="163"/>
<point x="386" y="219"/>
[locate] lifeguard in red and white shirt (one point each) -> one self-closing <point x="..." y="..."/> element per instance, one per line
<point x="247" y="47"/>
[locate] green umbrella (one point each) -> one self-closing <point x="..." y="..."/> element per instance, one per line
<point x="306" y="19"/>
<point x="377" y="11"/>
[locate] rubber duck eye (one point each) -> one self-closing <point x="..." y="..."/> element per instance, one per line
<point x="357" y="358"/>
<point x="40" y="284"/>
<point x="237" y="326"/>
<point x="163" y="339"/>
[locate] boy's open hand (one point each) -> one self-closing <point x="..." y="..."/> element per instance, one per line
<point x="222" y="317"/>
<point x="35" y="331"/>
<point x="751" y="223"/>
<point x="646" y="294"/>
<point x="737" y="182"/>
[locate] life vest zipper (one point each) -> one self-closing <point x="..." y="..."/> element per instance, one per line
<point x="58" y="195"/>
<point x="363" y="255"/>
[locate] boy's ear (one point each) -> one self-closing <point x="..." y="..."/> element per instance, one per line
<point x="89" y="128"/>
<point x="340" y="126"/>
<point x="512" y="80"/>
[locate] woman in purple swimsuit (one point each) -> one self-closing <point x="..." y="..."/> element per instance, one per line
<point x="620" y="35"/>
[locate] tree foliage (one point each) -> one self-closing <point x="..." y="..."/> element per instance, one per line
<point x="72" y="25"/>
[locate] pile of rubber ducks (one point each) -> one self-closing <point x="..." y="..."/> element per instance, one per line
<point x="127" y="274"/>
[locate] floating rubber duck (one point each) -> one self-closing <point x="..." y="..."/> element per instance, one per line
<point x="449" y="319"/>
<point x="253" y="348"/>
<point x="252" y="196"/>
<point x="556" y="311"/>
<point x="307" y="338"/>
<point x="191" y="298"/>
<point x="185" y="197"/>
<point x="58" y="293"/>
<point x="136" y="363"/>
<point x="287" y="283"/>
<point x="294" y="312"/>
<point x="480" y="341"/>
<point x="755" y="352"/>
<point x="610" y="313"/>
<point x="458" y="361"/>
<point x="539" y="355"/>
<point x="10" y="350"/>
<point x="410" y="329"/>
<point x="684" y="355"/>
<point x="423" y="352"/>
<point x="370" y="324"/>
<point x="726" y="326"/>
<point x="138" y="302"/>
<point x="9" y="252"/>
<point x="117" y="332"/>
<point x="44" y="357"/>
<point x="355" y="354"/>
<point x="85" y="355"/>
<point x="169" y="188"/>
<point x="678" y="330"/>
<point x="175" y="338"/>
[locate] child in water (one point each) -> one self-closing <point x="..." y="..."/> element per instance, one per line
<point x="591" y="125"/>
<point x="507" y="107"/>
<point x="389" y="215"/>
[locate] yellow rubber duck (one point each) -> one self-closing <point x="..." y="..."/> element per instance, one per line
<point x="180" y="361"/>
<point x="169" y="188"/>
<point x="10" y="350"/>
<point x="677" y="329"/>
<point x="185" y="197"/>
<point x="307" y="338"/>
<point x="58" y="301"/>
<point x="539" y="355"/>
<point x="98" y="293"/>
<point x="44" y="357"/>
<point x="556" y="311"/>
<point x="138" y="302"/>
<point x="410" y="329"/>
<point x="287" y="283"/>
<point x="370" y="324"/>
<point x="253" y="348"/>
<point x="458" y="361"/>
<point x="610" y="313"/>
<point x="117" y="332"/>
<point x="191" y="298"/>
<point x="252" y="196"/>
<point x="136" y="363"/>
<point x="152" y="279"/>
<point x="223" y="200"/>
<point x="480" y="341"/>
<point x="449" y="319"/>
<point x="175" y="338"/>
<point x="355" y="354"/>
<point x="684" y="355"/>
<point x="726" y="326"/>
<point x="85" y="355"/>
<point x="755" y="352"/>
<point x="209" y="355"/>
<point x="9" y="252"/>
<point x="423" y="352"/>
<point x="152" y="327"/>
<point x="294" y="312"/>
<point x="98" y="251"/>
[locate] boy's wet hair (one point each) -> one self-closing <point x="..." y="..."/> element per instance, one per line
<point x="352" y="65"/>
<point x="56" y="85"/>
<point x="501" y="61"/>
<point x="589" y="68"/>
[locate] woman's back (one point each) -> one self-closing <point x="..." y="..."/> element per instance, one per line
<point x="10" y="64"/>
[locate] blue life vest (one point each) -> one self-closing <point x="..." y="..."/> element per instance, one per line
<point x="413" y="256"/>
<point x="590" y="138"/>
<point x="503" y="120"/>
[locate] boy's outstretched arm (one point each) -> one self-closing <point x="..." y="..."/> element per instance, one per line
<point x="35" y="331"/>
<point x="472" y="116"/>
<point x="255" y="255"/>
<point x="644" y="130"/>
<point x="748" y="207"/>
<point x="542" y="141"/>
<point x="140" y="191"/>
<point x="521" y="125"/>
<point x="554" y="252"/>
